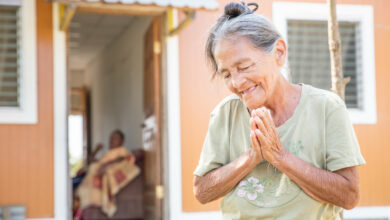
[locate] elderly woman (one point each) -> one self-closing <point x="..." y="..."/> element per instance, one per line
<point x="274" y="150"/>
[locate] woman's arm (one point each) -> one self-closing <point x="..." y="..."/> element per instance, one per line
<point x="91" y="157"/>
<point x="220" y="181"/>
<point x="104" y="166"/>
<point x="340" y="188"/>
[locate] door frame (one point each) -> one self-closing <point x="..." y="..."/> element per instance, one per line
<point x="63" y="198"/>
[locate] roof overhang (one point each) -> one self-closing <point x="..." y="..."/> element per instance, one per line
<point x="140" y="7"/>
<point x="134" y="8"/>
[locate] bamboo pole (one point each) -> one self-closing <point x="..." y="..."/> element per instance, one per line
<point x="338" y="80"/>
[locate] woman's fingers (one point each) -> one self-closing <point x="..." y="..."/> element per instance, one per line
<point x="261" y="137"/>
<point x="253" y="124"/>
<point x="264" y="134"/>
<point x="254" y="141"/>
<point x="271" y="123"/>
<point x="262" y="113"/>
<point x="260" y="125"/>
<point x="256" y="144"/>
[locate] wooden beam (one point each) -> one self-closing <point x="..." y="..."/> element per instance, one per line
<point x="190" y="16"/>
<point x="67" y="17"/>
<point x="136" y="8"/>
<point x="120" y="9"/>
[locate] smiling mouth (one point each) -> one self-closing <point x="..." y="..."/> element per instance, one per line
<point x="248" y="91"/>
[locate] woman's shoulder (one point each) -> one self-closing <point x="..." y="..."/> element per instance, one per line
<point x="228" y="104"/>
<point x="325" y="98"/>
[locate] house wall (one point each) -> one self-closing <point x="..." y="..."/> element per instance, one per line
<point x="198" y="96"/>
<point x="26" y="151"/>
<point x="115" y="78"/>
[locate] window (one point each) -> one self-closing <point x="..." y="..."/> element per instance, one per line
<point x="305" y="30"/>
<point x="309" y="57"/>
<point x="9" y="60"/>
<point x="18" y="101"/>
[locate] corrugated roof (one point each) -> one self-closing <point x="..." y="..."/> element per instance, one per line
<point x="195" y="4"/>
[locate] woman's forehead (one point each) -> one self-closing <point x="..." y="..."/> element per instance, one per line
<point x="225" y="45"/>
<point x="233" y="52"/>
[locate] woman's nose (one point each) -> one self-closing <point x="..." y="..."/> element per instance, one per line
<point x="237" y="81"/>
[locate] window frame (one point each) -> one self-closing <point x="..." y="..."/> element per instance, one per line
<point x="26" y="113"/>
<point x="363" y="14"/>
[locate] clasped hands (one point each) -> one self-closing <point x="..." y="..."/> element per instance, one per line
<point x="265" y="142"/>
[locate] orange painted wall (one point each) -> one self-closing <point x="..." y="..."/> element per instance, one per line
<point x="26" y="151"/>
<point x="199" y="96"/>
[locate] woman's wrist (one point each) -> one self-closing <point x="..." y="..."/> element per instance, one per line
<point x="253" y="158"/>
<point x="281" y="160"/>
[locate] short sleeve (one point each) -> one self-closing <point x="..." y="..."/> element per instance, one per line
<point x="342" y="147"/>
<point x="215" y="151"/>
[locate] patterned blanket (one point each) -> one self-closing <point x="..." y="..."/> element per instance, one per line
<point x="100" y="186"/>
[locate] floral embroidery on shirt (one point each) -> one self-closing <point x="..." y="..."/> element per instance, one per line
<point x="250" y="188"/>
<point x="270" y="191"/>
<point x="296" y="148"/>
<point x="270" y="187"/>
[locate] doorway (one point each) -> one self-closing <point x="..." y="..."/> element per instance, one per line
<point x="114" y="82"/>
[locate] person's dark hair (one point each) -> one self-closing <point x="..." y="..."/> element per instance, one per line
<point x="120" y="133"/>
<point x="239" y="20"/>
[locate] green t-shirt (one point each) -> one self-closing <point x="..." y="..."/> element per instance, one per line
<point x="319" y="132"/>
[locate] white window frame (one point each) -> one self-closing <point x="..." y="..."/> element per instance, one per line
<point x="363" y="14"/>
<point x="26" y="113"/>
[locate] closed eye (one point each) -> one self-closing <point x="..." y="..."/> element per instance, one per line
<point x="244" y="68"/>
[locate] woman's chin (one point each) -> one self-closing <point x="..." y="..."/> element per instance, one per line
<point x="253" y="105"/>
<point x="254" y="100"/>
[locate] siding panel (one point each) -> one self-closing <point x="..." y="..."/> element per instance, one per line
<point x="26" y="151"/>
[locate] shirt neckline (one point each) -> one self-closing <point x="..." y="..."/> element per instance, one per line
<point x="295" y="113"/>
<point x="297" y="109"/>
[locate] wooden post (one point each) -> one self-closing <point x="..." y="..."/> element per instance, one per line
<point x="338" y="80"/>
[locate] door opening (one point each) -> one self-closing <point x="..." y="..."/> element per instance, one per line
<point x="114" y="75"/>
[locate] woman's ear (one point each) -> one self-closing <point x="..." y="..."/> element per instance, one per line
<point x="280" y="50"/>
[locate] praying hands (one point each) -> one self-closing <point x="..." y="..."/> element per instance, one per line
<point x="265" y="142"/>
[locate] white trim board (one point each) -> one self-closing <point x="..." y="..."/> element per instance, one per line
<point x="363" y="14"/>
<point x="61" y="179"/>
<point x="174" y="140"/>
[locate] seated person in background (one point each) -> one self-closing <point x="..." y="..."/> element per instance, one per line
<point x="107" y="176"/>
<point x="82" y="172"/>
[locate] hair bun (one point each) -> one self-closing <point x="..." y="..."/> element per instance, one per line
<point x="235" y="9"/>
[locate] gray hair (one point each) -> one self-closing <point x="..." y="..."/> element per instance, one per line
<point x="238" y="20"/>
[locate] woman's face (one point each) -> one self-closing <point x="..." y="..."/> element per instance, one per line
<point x="115" y="140"/>
<point x="248" y="71"/>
